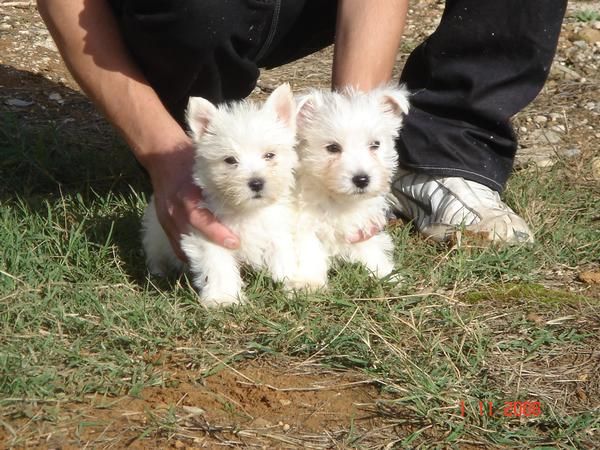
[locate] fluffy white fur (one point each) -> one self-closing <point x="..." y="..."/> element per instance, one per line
<point x="347" y="162"/>
<point x="237" y="145"/>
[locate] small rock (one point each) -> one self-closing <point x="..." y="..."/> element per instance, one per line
<point x="559" y="128"/>
<point x="49" y="44"/>
<point x="597" y="25"/>
<point x="5" y="27"/>
<point x="570" y="152"/>
<point x="596" y="168"/>
<point x="555" y="116"/>
<point x="540" y="119"/>
<point x="523" y="129"/>
<point x="561" y="71"/>
<point x="581" y="395"/>
<point x="537" y="156"/>
<point x="533" y="317"/>
<point x="545" y="137"/>
<point x="56" y="97"/>
<point x="589" y="277"/>
<point x="194" y="410"/>
<point x="587" y="36"/>
<point x="18" y="103"/>
<point x="286" y="427"/>
<point x="543" y="163"/>
<point x="260" y="422"/>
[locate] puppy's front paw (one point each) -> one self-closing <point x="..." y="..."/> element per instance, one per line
<point x="214" y="300"/>
<point x="311" y="273"/>
<point x="308" y="284"/>
<point x="381" y="267"/>
<point x="213" y="296"/>
<point x="375" y="254"/>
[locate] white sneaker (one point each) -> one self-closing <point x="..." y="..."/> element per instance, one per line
<point x="440" y="206"/>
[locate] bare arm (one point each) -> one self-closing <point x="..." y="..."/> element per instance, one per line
<point x="90" y="43"/>
<point x="367" y="37"/>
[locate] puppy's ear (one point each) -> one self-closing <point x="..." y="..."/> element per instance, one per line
<point x="282" y="102"/>
<point x="198" y="115"/>
<point x="307" y="105"/>
<point x="395" y="100"/>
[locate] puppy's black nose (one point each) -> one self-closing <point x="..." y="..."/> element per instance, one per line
<point x="256" y="184"/>
<point x="361" y="180"/>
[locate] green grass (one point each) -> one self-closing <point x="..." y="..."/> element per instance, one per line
<point x="78" y="315"/>
<point x="587" y="15"/>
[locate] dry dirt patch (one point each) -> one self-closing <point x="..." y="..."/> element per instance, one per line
<point x="254" y="404"/>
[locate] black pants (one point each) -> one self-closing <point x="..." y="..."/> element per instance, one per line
<point x="485" y="62"/>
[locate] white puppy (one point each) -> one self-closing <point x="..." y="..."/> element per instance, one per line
<point x="347" y="161"/>
<point x="245" y="162"/>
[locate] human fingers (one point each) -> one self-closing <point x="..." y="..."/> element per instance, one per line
<point x="362" y="235"/>
<point x="204" y="221"/>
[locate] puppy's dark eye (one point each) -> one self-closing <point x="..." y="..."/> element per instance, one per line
<point x="334" y="148"/>
<point x="269" y="156"/>
<point x="374" y="145"/>
<point x="231" y="160"/>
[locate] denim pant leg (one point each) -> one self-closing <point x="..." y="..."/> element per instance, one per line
<point x="214" y="48"/>
<point x="484" y="63"/>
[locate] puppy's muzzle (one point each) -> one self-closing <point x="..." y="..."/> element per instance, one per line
<point x="361" y="180"/>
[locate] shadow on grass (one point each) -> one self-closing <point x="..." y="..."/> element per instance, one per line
<point x="54" y="145"/>
<point x="57" y="142"/>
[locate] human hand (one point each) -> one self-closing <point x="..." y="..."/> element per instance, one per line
<point x="362" y="235"/>
<point x="97" y="57"/>
<point x="177" y="200"/>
